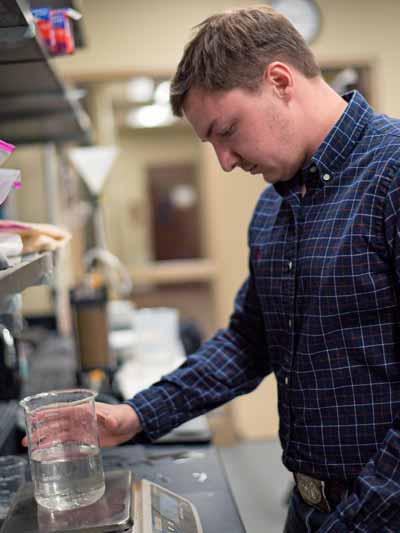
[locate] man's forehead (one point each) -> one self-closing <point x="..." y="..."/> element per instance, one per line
<point x="201" y="111"/>
<point x="195" y="98"/>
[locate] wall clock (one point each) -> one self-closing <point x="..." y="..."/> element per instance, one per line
<point x="305" y="16"/>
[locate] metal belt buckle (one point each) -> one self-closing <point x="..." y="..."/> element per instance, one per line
<point x="313" y="492"/>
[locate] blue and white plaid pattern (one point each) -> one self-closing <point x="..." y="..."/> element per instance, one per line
<point x="320" y="309"/>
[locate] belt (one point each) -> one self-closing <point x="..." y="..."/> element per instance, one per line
<point x="323" y="495"/>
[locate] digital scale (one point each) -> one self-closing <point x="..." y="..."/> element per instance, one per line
<point x="128" y="505"/>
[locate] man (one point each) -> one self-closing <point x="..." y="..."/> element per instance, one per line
<point x="320" y="307"/>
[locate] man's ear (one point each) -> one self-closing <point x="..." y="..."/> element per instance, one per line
<point x="279" y="77"/>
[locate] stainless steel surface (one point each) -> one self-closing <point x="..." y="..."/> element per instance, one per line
<point x="32" y="270"/>
<point x="112" y="513"/>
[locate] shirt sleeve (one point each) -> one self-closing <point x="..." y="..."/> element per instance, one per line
<point x="233" y="362"/>
<point x="375" y="502"/>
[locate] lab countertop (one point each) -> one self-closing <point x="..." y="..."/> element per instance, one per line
<point x="194" y="472"/>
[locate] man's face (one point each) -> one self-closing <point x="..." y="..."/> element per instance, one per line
<point x="255" y="131"/>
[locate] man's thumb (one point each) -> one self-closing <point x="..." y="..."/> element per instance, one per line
<point x="108" y="421"/>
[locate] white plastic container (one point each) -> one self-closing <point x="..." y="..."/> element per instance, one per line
<point x="11" y="244"/>
<point x="8" y="178"/>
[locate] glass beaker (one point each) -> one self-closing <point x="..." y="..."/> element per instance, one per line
<point x="64" y="452"/>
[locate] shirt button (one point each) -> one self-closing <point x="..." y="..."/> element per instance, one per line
<point x="313" y="169"/>
<point x="290" y="265"/>
<point x="326" y="177"/>
<point x="287" y="380"/>
<point x="290" y="323"/>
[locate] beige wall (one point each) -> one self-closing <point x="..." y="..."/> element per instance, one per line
<point x="125" y="195"/>
<point x="138" y="34"/>
<point x="149" y="35"/>
<point x="364" y="29"/>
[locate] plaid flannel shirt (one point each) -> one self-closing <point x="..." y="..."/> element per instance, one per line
<point x="320" y="309"/>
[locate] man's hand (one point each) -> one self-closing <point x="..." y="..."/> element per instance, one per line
<point x="116" y="423"/>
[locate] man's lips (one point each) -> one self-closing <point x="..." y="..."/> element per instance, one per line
<point x="253" y="169"/>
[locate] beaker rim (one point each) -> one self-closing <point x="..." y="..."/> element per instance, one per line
<point x="90" y="394"/>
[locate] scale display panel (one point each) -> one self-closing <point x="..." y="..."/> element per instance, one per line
<point x="166" y="512"/>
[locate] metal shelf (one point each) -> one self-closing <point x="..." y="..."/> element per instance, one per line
<point x="9" y="16"/>
<point x="35" y="105"/>
<point x="35" y="269"/>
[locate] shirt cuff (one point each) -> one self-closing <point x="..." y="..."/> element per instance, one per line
<point x="157" y="410"/>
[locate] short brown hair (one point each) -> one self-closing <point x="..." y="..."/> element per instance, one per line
<point x="232" y="49"/>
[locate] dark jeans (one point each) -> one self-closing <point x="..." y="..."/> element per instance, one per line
<point x="303" y="518"/>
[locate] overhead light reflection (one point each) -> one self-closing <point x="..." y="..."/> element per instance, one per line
<point x="161" y="93"/>
<point x="140" y="89"/>
<point x="150" y="116"/>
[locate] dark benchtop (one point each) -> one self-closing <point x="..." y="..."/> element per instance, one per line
<point x="195" y="472"/>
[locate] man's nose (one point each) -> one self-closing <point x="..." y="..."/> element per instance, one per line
<point x="227" y="158"/>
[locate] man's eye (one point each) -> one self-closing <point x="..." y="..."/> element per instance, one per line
<point x="227" y="132"/>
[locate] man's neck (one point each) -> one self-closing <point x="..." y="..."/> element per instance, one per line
<point x="326" y="108"/>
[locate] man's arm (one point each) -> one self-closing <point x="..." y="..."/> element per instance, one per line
<point x="233" y="362"/>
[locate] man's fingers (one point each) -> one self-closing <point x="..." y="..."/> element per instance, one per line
<point x="60" y="425"/>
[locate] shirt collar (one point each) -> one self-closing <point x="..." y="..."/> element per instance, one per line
<point x="338" y="144"/>
<point x="343" y="137"/>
